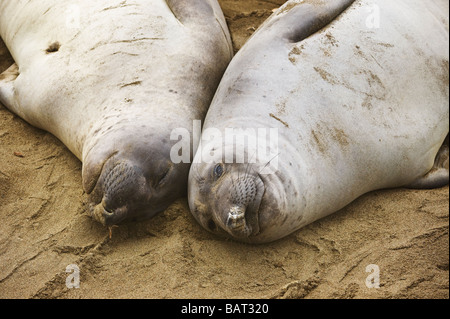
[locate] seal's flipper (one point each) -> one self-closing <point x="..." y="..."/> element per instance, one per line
<point x="195" y="12"/>
<point x="300" y="19"/>
<point x="438" y="176"/>
<point x="7" y="96"/>
<point x="186" y="11"/>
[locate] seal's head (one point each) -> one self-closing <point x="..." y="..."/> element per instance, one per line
<point x="132" y="182"/>
<point x="237" y="200"/>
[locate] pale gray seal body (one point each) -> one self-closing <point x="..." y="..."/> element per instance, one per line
<point x="358" y="93"/>
<point x="111" y="79"/>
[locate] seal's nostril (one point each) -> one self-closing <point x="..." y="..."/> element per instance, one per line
<point x="114" y="217"/>
<point x="236" y="218"/>
<point x="107" y="212"/>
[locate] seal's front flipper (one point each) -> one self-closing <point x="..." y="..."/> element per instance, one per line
<point x="200" y="12"/>
<point x="438" y="176"/>
<point x="187" y="11"/>
<point x="296" y="20"/>
<point x="7" y="92"/>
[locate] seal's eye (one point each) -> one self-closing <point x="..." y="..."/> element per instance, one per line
<point x="218" y="170"/>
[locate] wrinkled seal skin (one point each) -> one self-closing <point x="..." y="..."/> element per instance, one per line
<point x="358" y="107"/>
<point x="114" y="86"/>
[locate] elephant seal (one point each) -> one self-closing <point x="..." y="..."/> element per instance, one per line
<point x="357" y="92"/>
<point x="111" y="79"/>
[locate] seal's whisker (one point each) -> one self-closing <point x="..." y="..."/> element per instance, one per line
<point x="268" y="162"/>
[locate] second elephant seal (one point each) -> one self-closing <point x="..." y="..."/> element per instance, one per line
<point x="357" y="93"/>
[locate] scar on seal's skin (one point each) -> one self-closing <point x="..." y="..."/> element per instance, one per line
<point x="132" y="83"/>
<point x="318" y="142"/>
<point x="278" y="119"/>
<point x="54" y="47"/>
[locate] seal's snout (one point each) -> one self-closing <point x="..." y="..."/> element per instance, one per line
<point x="130" y="188"/>
<point x="120" y="186"/>
<point x="244" y="191"/>
<point x="121" y="183"/>
<point x="242" y="216"/>
<point x="226" y="199"/>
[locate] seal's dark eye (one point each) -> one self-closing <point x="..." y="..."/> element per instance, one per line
<point x="218" y="170"/>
